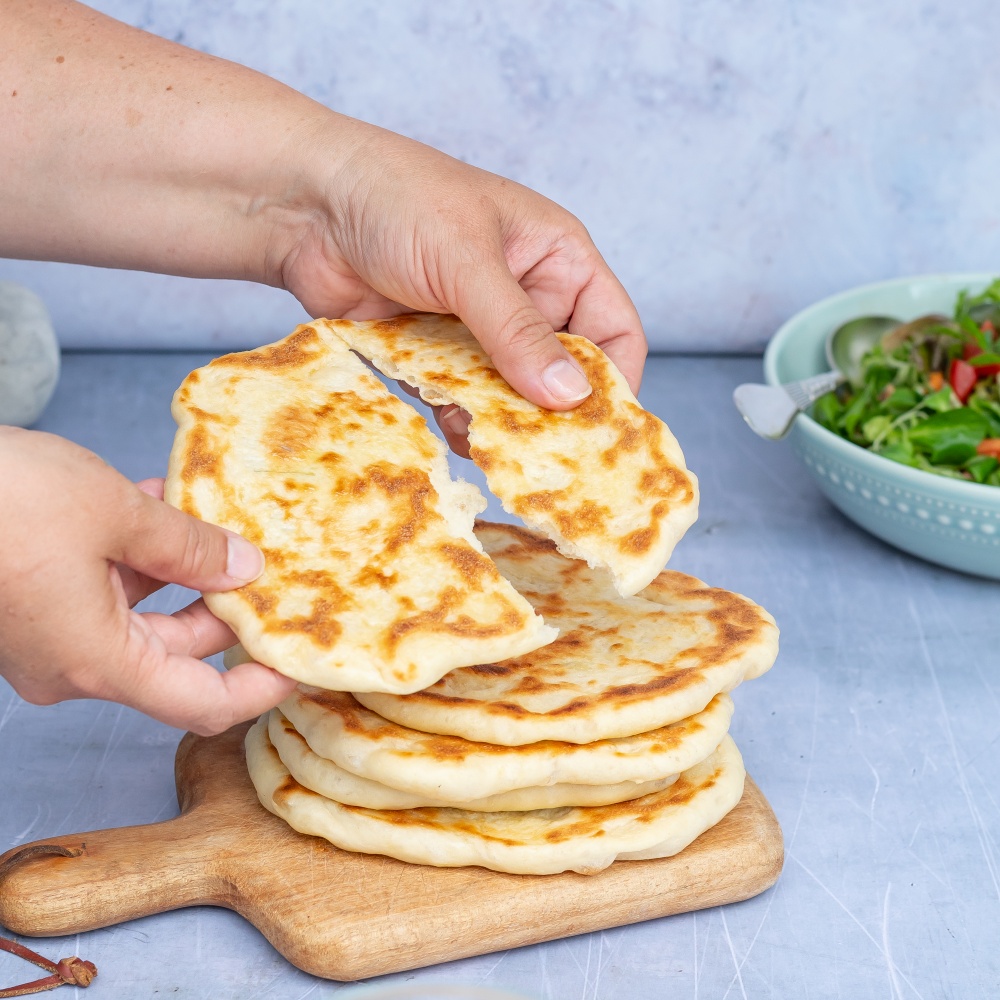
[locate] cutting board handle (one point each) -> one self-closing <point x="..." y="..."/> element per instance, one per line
<point x="65" y="885"/>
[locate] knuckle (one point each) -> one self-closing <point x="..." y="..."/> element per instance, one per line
<point x="527" y="332"/>
<point x="198" y="551"/>
<point x="215" y="720"/>
<point x="41" y="695"/>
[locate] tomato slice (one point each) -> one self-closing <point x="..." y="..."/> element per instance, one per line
<point x="962" y="377"/>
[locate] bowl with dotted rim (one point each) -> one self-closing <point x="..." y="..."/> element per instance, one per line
<point x="947" y="521"/>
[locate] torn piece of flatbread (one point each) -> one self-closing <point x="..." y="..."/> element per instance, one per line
<point x="620" y="666"/>
<point x="606" y="481"/>
<point x="329" y="779"/>
<point x="374" y="580"/>
<point x="584" y="839"/>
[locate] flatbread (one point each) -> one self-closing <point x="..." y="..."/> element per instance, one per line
<point x="374" y="579"/>
<point x="541" y="842"/>
<point x="620" y="666"/>
<point x="606" y="481"/>
<point x="328" y="779"/>
<point x="455" y="770"/>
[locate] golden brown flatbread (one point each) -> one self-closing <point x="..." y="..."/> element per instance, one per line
<point x="620" y="666"/>
<point x="539" y="842"/>
<point x="374" y="580"/>
<point x="456" y="770"/>
<point x="606" y="481"/>
<point x="329" y="779"/>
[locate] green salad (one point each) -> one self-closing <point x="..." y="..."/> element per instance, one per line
<point x="929" y="394"/>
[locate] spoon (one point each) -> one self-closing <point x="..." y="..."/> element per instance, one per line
<point x="770" y="410"/>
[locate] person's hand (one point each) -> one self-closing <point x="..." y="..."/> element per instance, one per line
<point x="405" y="227"/>
<point x="213" y="170"/>
<point x="79" y="545"/>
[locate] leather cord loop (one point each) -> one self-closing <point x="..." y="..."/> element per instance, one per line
<point x="66" y="972"/>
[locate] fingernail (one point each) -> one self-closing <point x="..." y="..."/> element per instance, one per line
<point x="244" y="560"/>
<point x="456" y="421"/>
<point x="566" y="381"/>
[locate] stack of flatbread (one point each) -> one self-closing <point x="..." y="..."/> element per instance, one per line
<point x="473" y="694"/>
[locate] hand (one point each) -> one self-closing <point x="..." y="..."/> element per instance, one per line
<point x="404" y="227"/>
<point x="79" y="545"/>
<point x="213" y="170"/>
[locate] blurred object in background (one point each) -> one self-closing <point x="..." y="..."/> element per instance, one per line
<point x="29" y="356"/>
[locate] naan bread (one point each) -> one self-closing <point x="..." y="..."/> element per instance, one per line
<point x="606" y="481"/>
<point x="374" y="579"/>
<point x="453" y="769"/>
<point x="541" y="842"/>
<point x="620" y="666"/>
<point x="328" y="779"/>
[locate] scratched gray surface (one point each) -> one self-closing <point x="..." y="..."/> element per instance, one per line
<point x="875" y="737"/>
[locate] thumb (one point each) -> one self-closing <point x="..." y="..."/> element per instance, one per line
<point x="172" y="546"/>
<point x="518" y="339"/>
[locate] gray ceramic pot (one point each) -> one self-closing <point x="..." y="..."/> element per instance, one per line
<point x="29" y="356"/>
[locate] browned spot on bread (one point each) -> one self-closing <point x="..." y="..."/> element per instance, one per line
<point x="483" y="459"/>
<point x="588" y="518"/>
<point x="376" y="576"/>
<point x="541" y="500"/>
<point x="438" y="620"/>
<point x="320" y="624"/>
<point x="444" y="380"/>
<point x="259" y="599"/>
<point x="394" y="325"/>
<point x="290" y="433"/>
<point x="472" y="566"/>
<point x="410" y="494"/>
<point x="353" y="718"/>
<point x="335" y="700"/>
<point x="528" y="542"/>
<point x="529" y="684"/>
<point x="289" y="787"/>
<point x="295" y="351"/>
<point x="493" y="669"/>
<point x="430" y="817"/>
<point x="597" y="407"/>
<point x="274" y="558"/>
<point x="519" y="422"/>
<point x="202" y="457"/>
<point x="226" y="419"/>
<point x="637" y="542"/>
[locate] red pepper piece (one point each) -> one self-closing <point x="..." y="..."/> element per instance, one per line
<point x="962" y="377"/>
<point x="990" y="447"/>
<point x="970" y="350"/>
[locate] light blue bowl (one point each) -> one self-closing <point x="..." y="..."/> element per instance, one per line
<point x="946" y="521"/>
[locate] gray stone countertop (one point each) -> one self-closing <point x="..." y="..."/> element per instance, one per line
<point x="875" y="737"/>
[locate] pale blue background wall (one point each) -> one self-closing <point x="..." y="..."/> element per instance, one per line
<point x="733" y="160"/>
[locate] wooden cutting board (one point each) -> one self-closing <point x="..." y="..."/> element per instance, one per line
<point x="351" y="916"/>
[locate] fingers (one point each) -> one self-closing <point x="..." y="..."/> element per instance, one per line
<point x="169" y="545"/>
<point x="152" y="487"/>
<point x="186" y="692"/>
<point x="518" y="339"/>
<point x="454" y="423"/>
<point x="192" y="631"/>
<point x="604" y="314"/>
<point x="135" y="587"/>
